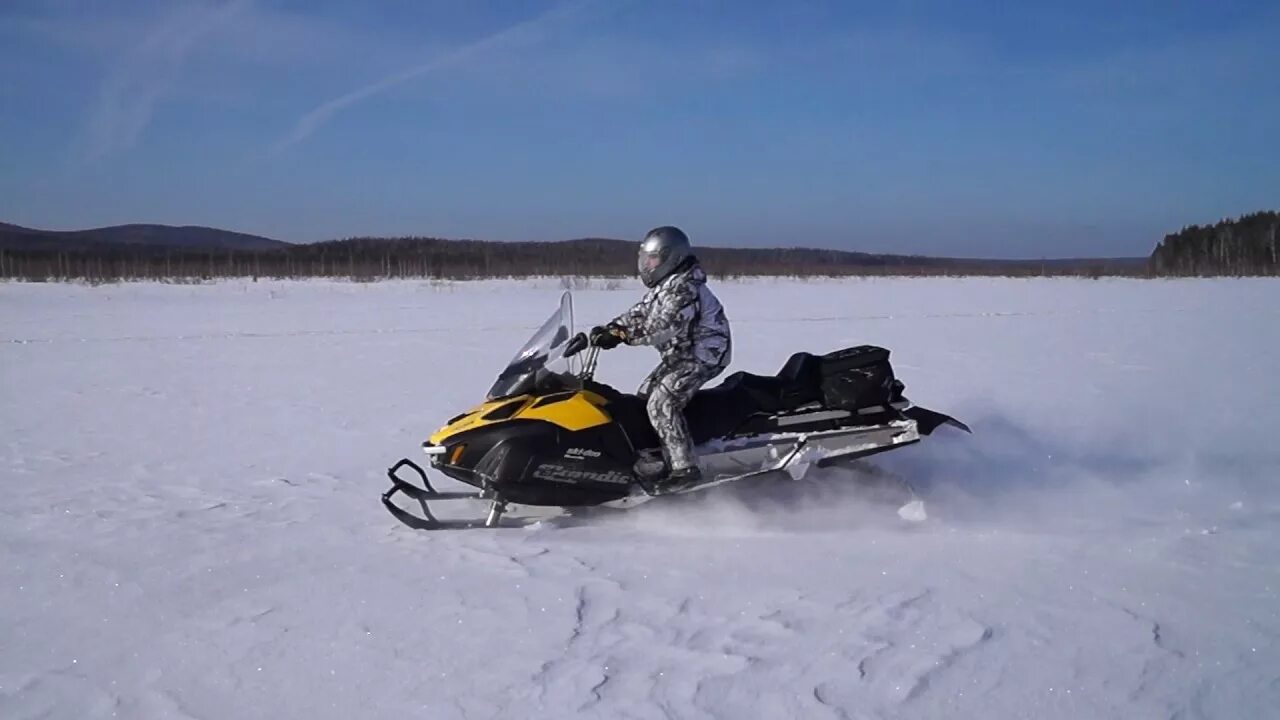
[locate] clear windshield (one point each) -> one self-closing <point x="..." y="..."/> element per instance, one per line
<point x="543" y="353"/>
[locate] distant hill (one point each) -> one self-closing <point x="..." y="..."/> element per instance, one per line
<point x="189" y="237"/>
<point x="159" y="252"/>
<point x="603" y="256"/>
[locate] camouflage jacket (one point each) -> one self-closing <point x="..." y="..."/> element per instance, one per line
<point x="682" y="319"/>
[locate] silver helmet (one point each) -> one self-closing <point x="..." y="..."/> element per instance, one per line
<point x="661" y="252"/>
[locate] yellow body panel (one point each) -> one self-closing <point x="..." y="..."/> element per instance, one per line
<point x="577" y="412"/>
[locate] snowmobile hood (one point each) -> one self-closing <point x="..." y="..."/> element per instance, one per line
<point x="572" y="410"/>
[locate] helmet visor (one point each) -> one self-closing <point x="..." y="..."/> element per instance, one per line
<point x="647" y="263"/>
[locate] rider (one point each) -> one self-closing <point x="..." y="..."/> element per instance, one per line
<point x="686" y="323"/>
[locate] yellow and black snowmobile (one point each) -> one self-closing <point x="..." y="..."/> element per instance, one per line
<point x="548" y="434"/>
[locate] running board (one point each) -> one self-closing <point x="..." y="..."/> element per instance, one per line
<point x="839" y="458"/>
<point x="774" y="457"/>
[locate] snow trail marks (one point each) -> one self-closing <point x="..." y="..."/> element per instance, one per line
<point x="190" y="525"/>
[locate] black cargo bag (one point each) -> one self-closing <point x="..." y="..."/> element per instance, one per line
<point x="858" y="377"/>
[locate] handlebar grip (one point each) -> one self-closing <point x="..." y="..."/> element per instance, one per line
<point x="576" y="344"/>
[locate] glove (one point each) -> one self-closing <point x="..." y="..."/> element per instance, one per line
<point x="606" y="337"/>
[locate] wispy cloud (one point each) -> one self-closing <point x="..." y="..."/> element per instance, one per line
<point x="145" y="73"/>
<point x="516" y="35"/>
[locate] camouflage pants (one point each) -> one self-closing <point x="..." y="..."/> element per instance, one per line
<point x="667" y="391"/>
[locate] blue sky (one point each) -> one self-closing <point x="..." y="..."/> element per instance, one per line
<point x="1013" y="129"/>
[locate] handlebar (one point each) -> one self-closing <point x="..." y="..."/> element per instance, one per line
<point x="577" y="344"/>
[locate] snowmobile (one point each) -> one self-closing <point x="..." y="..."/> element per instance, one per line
<point x="549" y="434"/>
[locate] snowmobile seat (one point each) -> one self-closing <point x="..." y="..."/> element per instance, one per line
<point x="711" y="413"/>
<point x="719" y="411"/>
<point x="763" y="391"/>
<point x="801" y="380"/>
<point x="796" y="384"/>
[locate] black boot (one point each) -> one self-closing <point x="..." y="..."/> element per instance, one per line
<point x="678" y="480"/>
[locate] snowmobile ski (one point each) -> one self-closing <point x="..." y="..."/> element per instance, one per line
<point x="427" y="493"/>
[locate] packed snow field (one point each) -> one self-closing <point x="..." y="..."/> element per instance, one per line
<point x="190" y="525"/>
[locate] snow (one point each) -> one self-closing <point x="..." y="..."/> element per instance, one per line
<point x="190" y="524"/>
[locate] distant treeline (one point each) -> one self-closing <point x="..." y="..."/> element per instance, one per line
<point x="417" y="257"/>
<point x="1249" y="245"/>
